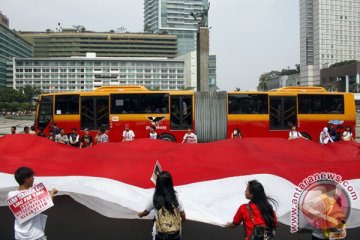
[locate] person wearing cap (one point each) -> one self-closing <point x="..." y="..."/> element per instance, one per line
<point x="128" y="134"/>
<point x="86" y="139"/>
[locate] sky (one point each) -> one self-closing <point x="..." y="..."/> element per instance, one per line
<point x="249" y="37"/>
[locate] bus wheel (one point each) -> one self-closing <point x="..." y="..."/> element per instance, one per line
<point x="305" y="135"/>
<point x="167" y="137"/>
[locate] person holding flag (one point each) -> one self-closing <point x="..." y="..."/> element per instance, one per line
<point x="169" y="211"/>
<point x="34" y="227"/>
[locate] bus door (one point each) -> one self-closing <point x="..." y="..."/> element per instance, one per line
<point x="181" y="113"/>
<point x="94" y="112"/>
<point x="283" y="112"/>
<point x="44" y="112"/>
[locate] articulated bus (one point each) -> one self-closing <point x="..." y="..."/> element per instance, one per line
<point x="255" y="114"/>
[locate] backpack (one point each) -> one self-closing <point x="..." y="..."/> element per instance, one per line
<point x="168" y="222"/>
<point x="260" y="232"/>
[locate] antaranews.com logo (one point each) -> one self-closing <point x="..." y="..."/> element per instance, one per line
<point x="322" y="201"/>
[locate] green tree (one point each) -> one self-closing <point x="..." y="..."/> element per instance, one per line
<point x="79" y="28"/>
<point x="30" y="92"/>
<point x="15" y="100"/>
<point x="13" y="106"/>
<point x="26" y="106"/>
<point x="263" y="82"/>
<point x="11" y="95"/>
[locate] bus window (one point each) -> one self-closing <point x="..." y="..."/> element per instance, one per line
<point x="66" y="104"/>
<point x="139" y="103"/>
<point x="248" y="103"/>
<point x="181" y="112"/>
<point x="45" y="111"/>
<point x="154" y="103"/>
<point x="124" y="103"/>
<point x="321" y="104"/>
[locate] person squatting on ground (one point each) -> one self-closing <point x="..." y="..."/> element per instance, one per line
<point x="74" y="138"/>
<point x="236" y="133"/>
<point x="294" y="133"/>
<point x="26" y="130"/>
<point x="62" y="137"/>
<point x="169" y="211"/>
<point x="13" y="130"/>
<point x="152" y="132"/>
<point x="189" y="137"/>
<point x="325" y="137"/>
<point x="103" y="137"/>
<point x="86" y="139"/>
<point x="128" y="134"/>
<point x="347" y="134"/>
<point x="33" y="228"/>
<point x="258" y="212"/>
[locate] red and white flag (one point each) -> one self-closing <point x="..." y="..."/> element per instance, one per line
<point x="113" y="178"/>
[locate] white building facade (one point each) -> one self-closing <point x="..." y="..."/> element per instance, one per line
<point x="329" y="33"/>
<point x="88" y="73"/>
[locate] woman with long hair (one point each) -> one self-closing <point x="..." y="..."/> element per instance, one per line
<point x="169" y="211"/>
<point x="259" y="211"/>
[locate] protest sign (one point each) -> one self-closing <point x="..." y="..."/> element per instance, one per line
<point x="29" y="203"/>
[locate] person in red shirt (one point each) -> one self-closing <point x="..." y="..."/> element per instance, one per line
<point x="261" y="208"/>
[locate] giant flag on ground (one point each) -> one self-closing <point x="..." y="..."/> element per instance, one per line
<point x="114" y="178"/>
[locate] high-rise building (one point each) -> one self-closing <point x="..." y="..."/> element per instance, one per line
<point x="11" y="45"/>
<point x="329" y="33"/>
<point x="70" y="43"/>
<point x="173" y="17"/>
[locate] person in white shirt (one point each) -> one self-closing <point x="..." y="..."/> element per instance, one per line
<point x="62" y="137"/>
<point x="347" y="134"/>
<point x="128" y="135"/>
<point x="153" y="134"/>
<point x="294" y="134"/>
<point x="104" y="138"/>
<point x="34" y="227"/>
<point x="190" y="137"/>
<point x="236" y="133"/>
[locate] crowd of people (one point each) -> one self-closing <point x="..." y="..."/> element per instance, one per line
<point x="327" y="135"/>
<point x="58" y="135"/>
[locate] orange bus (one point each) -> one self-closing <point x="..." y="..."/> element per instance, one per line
<point x="255" y="114"/>
<point x="270" y="114"/>
<point x="114" y="107"/>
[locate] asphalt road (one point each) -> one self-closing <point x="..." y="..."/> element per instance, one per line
<point x="69" y="220"/>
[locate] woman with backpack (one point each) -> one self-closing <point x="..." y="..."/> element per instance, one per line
<point x="258" y="216"/>
<point x="169" y="211"/>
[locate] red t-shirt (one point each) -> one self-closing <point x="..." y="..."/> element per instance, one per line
<point x="242" y="215"/>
